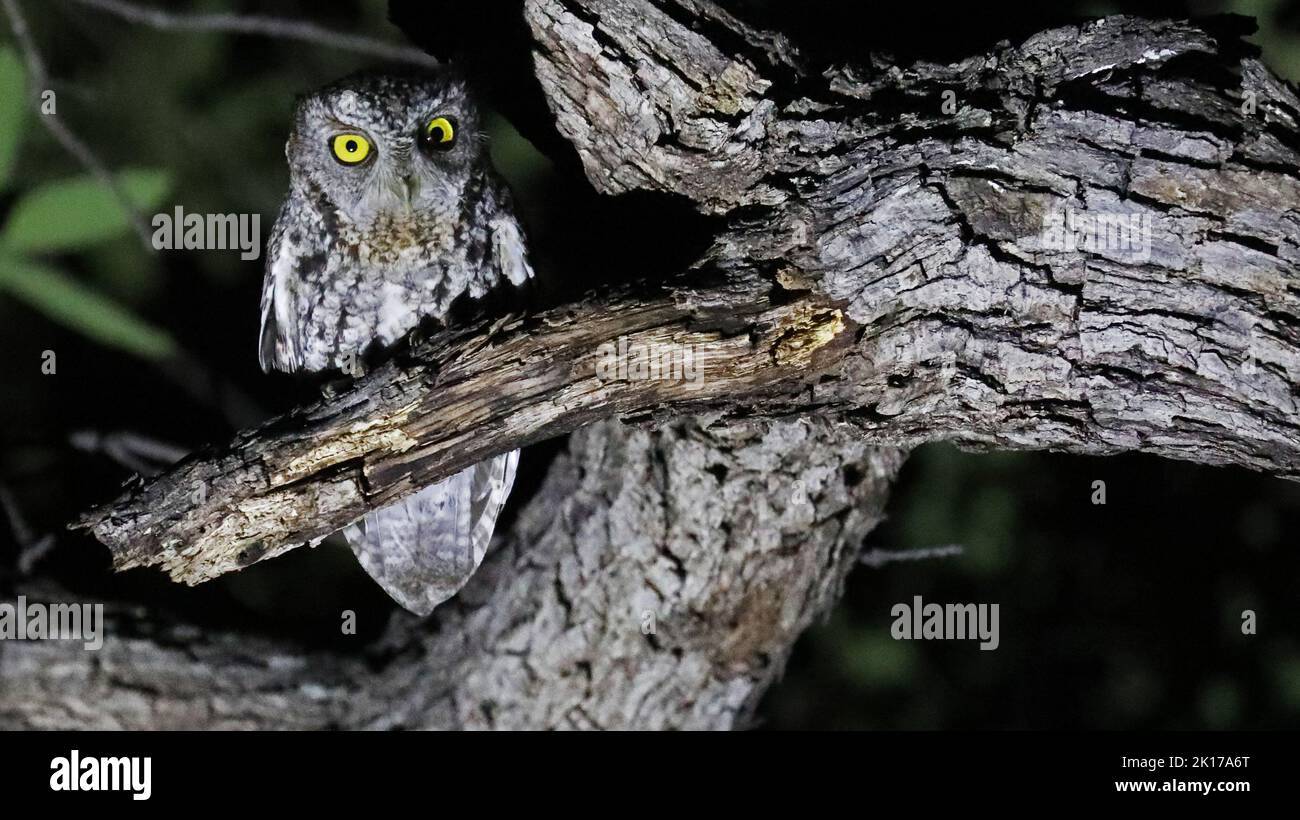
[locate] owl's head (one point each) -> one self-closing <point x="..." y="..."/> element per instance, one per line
<point x="385" y="147"/>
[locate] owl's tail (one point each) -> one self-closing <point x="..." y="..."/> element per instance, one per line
<point x="424" y="548"/>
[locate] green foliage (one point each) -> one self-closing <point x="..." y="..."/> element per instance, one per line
<point x="1280" y="45"/>
<point x="871" y="658"/>
<point x="12" y="109"/>
<point x="1286" y="670"/>
<point x="71" y="214"/>
<point x="67" y="301"/>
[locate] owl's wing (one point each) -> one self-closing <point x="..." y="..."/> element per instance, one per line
<point x="423" y="549"/>
<point x="509" y="250"/>
<point x="509" y="247"/>
<point x="280" y="345"/>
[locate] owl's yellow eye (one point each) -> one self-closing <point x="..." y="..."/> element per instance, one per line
<point x="440" y="133"/>
<point x="350" y="149"/>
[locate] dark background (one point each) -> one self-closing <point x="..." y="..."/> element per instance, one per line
<point x="1122" y="615"/>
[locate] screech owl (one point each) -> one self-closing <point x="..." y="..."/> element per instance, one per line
<point x="394" y="211"/>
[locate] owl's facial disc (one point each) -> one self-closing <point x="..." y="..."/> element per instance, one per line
<point x="409" y="178"/>
<point x="386" y="149"/>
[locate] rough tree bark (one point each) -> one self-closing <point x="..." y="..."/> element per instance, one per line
<point x="724" y="543"/>
<point x="882" y="274"/>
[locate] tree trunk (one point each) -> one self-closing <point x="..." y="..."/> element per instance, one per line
<point x="1086" y="242"/>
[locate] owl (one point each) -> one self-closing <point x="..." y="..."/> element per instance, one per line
<point x="393" y="212"/>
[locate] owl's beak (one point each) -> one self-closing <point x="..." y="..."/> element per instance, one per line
<point x="408" y="186"/>
<point x="402" y="186"/>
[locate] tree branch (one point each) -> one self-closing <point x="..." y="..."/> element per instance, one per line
<point x="262" y="26"/>
<point x="657" y="580"/>
<point x="909" y="288"/>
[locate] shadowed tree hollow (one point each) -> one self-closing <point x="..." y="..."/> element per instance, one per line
<point x="1086" y="241"/>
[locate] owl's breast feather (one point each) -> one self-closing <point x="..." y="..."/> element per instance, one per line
<point x="408" y="242"/>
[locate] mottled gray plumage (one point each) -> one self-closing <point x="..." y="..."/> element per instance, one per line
<point x="360" y="253"/>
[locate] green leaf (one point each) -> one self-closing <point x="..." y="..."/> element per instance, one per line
<point x="67" y="301"/>
<point x="13" y="97"/>
<point x="75" y="213"/>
